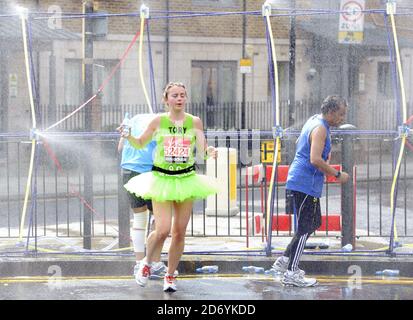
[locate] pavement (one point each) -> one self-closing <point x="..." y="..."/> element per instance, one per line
<point x="229" y="254"/>
<point x="206" y="295"/>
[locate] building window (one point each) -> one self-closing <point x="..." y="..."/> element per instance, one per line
<point x="213" y="82"/>
<point x="100" y="73"/>
<point x="73" y="82"/>
<point x="384" y="86"/>
<point x="213" y="93"/>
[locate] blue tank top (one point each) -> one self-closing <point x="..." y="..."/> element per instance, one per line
<point x="302" y="175"/>
<point x="138" y="160"/>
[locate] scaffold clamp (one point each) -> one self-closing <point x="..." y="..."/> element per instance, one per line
<point x="391" y="7"/>
<point x="266" y="8"/>
<point x="34" y="134"/>
<point x="144" y="11"/>
<point x="23" y="12"/>
<point x="277" y="132"/>
<point x="404" y="131"/>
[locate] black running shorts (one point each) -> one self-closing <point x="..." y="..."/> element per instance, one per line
<point x="135" y="201"/>
<point x="307" y="210"/>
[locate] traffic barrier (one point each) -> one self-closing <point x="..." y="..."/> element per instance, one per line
<point x="224" y="169"/>
<point x="282" y="221"/>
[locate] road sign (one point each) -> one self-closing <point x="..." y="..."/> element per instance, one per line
<point x="351" y="23"/>
<point x="245" y="65"/>
<point x="267" y="152"/>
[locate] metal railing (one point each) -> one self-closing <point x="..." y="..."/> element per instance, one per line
<point x="224" y="116"/>
<point x="382" y="115"/>
<point x="60" y="200"/>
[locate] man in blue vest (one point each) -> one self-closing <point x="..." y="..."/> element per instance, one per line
<point x="305" y="184"/>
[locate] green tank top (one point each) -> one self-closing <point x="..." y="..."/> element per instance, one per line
<point x="175" y="144"/>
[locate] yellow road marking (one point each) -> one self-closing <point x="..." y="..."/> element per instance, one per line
<point x="321" y="279"/>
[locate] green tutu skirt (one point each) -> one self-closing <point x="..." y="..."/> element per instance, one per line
<point x="160" y="187"/>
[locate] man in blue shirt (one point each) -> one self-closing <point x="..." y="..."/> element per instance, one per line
<point x="305" y="184"/>
<point x="133" y="163"/>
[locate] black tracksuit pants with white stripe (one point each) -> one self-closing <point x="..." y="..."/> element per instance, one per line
<point x="308" y="214"/>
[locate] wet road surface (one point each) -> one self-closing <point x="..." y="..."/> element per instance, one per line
<point x="205" y="287"/>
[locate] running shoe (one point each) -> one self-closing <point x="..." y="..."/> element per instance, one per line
<point x="281" y="265"/>
<point x="169" y="283"/>
<point x="158" y="268"/>
<point x="158" y="271"/>
<point x="143" y="273"/>
<point x="136" y="268"/>
<point x="296" y="279"/>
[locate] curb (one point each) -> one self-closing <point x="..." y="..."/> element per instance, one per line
<point x="121" y="266"/>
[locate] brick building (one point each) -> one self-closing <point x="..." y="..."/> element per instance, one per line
<point x="203" y="52"/>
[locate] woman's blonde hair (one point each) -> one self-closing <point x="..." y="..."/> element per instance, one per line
<point x="169" y="86"/>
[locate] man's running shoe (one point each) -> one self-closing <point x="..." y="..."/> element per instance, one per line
<point x="281" y="265"/>
<point x="158" y="268"/>
<point x="296" y="279"/>
<point x="169" y="283"/>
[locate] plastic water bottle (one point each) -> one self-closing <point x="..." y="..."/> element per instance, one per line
<point x="207" y="269"/>
<point x="388" y="272"/>
<point x="126" y="124"/>
<point x="253" y="269"/>
<point x="272" y="272"/>
<point x="347" y="248"/>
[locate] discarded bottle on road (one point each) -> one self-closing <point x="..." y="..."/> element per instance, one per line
<point x="347" y="248"/>
<point x="126" y="124"/>
<point x="253" y="269"/>
<point x="272" y="272"/>
<point x="207" y="269"/>
<point x="388" y="272"/>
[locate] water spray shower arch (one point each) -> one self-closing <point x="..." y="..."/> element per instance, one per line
<point x="267" y="13"/>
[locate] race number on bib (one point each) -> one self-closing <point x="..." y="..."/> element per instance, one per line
<point x="176" y="150"/>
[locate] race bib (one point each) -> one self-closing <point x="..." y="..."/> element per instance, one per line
<point x="176" y="149"/>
